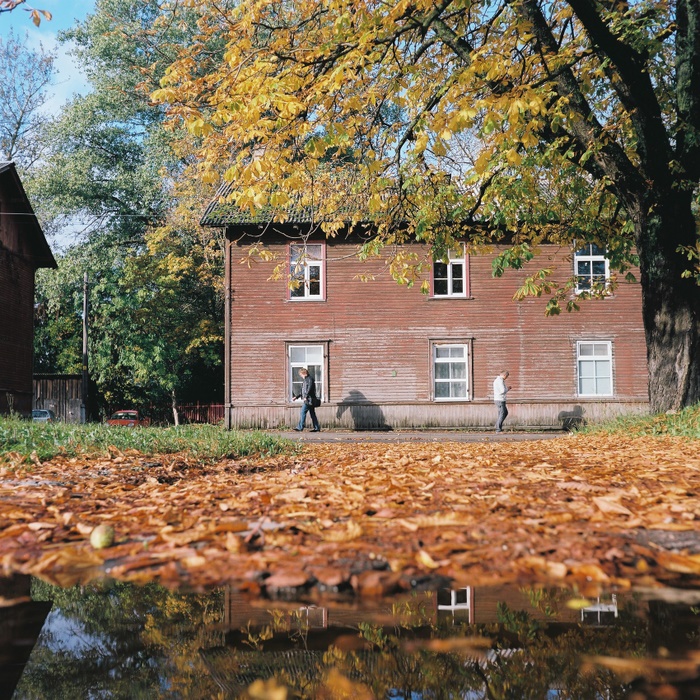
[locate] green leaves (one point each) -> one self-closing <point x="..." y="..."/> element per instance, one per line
<point x="514" y="257"/>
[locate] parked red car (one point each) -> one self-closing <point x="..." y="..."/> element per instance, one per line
<point x="128" y="418"/>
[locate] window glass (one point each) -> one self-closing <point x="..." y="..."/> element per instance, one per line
<point x="442" y="370"/>
<point x="440" y="281"/>
<point x="457" y="278"/>
<point x="314" y="280"/>
<point x="442" y="390"/>
<point x="459" y="390"/>
<point x="297" y="354"/>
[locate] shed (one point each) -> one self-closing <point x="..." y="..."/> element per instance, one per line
<point x="23" y="250"/>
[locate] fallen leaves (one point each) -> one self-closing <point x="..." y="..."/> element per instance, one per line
<point x="611" y="507"/>
<point x="370" y="518"/>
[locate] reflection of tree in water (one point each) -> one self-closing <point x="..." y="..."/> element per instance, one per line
<point x="365" y="414"/>
<point x="150" y="642"/>
<point x="126" y="641"/>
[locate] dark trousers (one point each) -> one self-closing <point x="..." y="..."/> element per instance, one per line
<point x="502" y="414"/>
<point x="305" y="408"/>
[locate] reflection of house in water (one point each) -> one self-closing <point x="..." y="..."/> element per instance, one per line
<point x="468" y="605"/>
<point x="459" y="604"/>
<point x="601" y="614"/>
<point x="20" y="626"/>
<point x="265" y="639"/>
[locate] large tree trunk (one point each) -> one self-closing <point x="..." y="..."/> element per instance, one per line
<point x="670" y="303"/>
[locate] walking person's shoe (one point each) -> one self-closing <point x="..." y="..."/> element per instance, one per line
<point x="316" y="430"/>
<point x="299" y="430"/>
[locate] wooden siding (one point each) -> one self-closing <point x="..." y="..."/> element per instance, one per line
<point x="379" y="335"/>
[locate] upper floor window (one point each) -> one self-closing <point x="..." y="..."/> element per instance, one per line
<point x="450" y="276"/>
<point x="591" y="267"/>
<point x="594" y="364"/>
<point x="306" y="270"/>
<point x="451" y="371"/>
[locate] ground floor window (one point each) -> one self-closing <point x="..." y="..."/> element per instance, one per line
<point x="451" y="371"/>
<point x="313" y="358"/>
<point x="594" y="365"/>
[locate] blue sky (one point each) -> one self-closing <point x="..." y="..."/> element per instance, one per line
<point x="65" y="13"/>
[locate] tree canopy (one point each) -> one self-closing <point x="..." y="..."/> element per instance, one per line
<point x="26" y="77"/>
<point x="515" y="122"/>
<point x="110" y="173"/>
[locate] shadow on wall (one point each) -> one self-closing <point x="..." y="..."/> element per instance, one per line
<point x="572" y="420"/>
<point x="365" y="414"/>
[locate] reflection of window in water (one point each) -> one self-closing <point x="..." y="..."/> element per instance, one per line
<point x="600" y="614"/>
<point x="314" y="617"/>
<point x="458" y="603"/>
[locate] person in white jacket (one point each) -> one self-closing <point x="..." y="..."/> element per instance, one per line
<point x="499" y="398"/>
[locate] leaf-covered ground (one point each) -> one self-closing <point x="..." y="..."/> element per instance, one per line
<point x="366" y="519"/>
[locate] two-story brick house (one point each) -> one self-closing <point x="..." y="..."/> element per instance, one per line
<point x="388" y="356"/>
<point x="23" y="249"/>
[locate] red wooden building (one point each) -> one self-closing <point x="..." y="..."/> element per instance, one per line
<point x="23" y="249"/>
<point x="389" y="356"/>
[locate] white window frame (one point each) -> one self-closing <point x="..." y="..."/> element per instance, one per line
<point x="314" y="361"/>
<point x="303" y="259"/>
<point x="596" y="358"/>
<point x="591" y="258"/>
<point x="455" y="256"/>
<point x="435" y="361"/>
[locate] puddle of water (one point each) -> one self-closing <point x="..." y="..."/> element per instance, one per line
<point x="118" y="640"/>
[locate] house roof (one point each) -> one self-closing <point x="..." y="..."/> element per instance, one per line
<point x="13" y="192"/>
<point x="223" y="213"/>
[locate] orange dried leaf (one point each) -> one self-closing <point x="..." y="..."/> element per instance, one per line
<point x="611" y="507"/>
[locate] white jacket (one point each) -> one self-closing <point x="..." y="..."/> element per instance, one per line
<point x="499" y="389"/>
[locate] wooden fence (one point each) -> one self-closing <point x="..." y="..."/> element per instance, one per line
<point x="202" y="413"/>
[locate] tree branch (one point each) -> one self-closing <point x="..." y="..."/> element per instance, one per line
<point x="584" y="125"/>
<point x="688" y="86"/>
<point x="632" y="83"/>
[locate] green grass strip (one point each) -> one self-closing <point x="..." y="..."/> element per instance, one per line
<point x="684" y="423"/>
<point x="204" y="442"/>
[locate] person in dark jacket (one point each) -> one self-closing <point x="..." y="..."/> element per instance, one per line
<point x="309" y="401"/>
